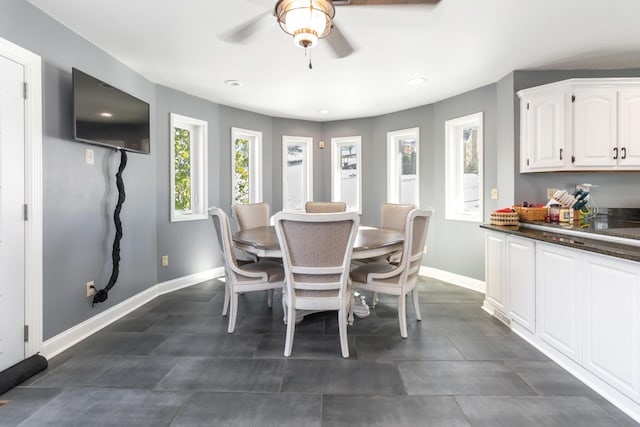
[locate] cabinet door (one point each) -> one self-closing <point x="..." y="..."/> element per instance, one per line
<point x="595" y="127"/>
<point x="558" y="298"/>
<point x="543" y="133"/>
<point x="612" y="322"/>
<point x="629" y="122"/>
<point x="494" y="271"/>
<point x="520" y="279"/>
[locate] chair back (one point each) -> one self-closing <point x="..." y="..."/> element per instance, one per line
<point x="223" y="234"/>
<point x="316" y="249"/>
<point x="325" y="207"/>
<point x="417" y="225"/>
<point x="394" y="215"/>
<point x="250" y="215"/>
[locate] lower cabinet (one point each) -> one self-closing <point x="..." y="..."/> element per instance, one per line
<point x="559" y="297"/>
<point x="495" y="260"/>
<point x="611" y="322"/>
<point x="521" y="281"/>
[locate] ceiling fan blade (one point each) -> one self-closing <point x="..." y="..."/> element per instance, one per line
<point x="376" y="2"/>
<point x="339" y="43"/>
<point x="244" y="31"/>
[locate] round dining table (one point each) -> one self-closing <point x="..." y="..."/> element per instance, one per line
<point x="370" y="242"/>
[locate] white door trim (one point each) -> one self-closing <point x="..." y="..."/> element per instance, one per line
<point x="33" y="190"/>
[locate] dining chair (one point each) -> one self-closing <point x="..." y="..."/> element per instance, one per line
<point x="250" y="215"/>
<point x="402" y="278"/>
<point x="255" y="276"/>
<point x="325" y="207"/>
<point x="316" y="252"/>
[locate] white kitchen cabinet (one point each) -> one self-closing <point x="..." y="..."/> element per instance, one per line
<point x="543" y="129"/>
<point x="581" y="125"/>
<point x="629" y="128"/>
<point x="558" y="299"/>
<point x="595" y="138"/>
<point x="612" y="322"/>
<point x="521" y="281"/>
<point x="495" y="296"/>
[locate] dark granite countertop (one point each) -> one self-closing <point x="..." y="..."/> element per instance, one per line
<point x="581" y="238"/>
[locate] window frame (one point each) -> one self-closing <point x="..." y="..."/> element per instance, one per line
<point x="255" y="163"/>
<point x="307" y="167"/>
<point x="336" y="177"/>
<point x="454" y="180"/>
<point x="199" y="168"/>
<point x="394" y="164"/>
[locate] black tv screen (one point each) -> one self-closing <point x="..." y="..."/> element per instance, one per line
<point x="105" y="115"/>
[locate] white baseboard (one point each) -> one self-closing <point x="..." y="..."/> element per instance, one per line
<point x="77" y="333"/>
<point x="454" y="279"/>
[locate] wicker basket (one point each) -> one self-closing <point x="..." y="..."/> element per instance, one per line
<point x="531" y="214"/>
<point x="504" y="218"/>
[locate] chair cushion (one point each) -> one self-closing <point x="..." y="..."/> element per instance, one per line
<point x="275" y="271"/>
<point x="360" y="274"/>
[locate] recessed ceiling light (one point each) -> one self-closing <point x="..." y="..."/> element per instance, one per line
<point x="417" y="81"/>
<point x="233" y="82"/>
<point x="106" y="114"/>
<point x="323" y="111"/>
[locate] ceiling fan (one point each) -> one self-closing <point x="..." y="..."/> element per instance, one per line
<point x="310" y="20"/>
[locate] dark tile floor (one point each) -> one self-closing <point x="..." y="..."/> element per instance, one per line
<point x="171" y="363"/>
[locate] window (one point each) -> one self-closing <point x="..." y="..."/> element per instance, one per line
<point x="346" y="165"/>
<point x="297" y="167"/>
<point x="403" y="183"/>
<point x="246" y="166"/>
<point x="188" y="168"/>
<point x="463" y="170"/>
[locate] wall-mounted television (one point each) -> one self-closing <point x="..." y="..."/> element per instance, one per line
<point x="107" y="116"/>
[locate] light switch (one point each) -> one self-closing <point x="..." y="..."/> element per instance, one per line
<point x="88" y="156"/>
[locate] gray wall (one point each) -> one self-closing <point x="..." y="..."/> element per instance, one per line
<point x="616" y="189"/>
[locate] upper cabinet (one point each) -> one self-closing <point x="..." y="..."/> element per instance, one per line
<point x="580" y="124"/>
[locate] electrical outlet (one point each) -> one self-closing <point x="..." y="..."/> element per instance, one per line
<point x="494" y="193"/>
<point x="88" y="156"/>
<point x="165" y="260"/>
<point x="90" y="290"/>
<point x="551" y="192"/>
<point x="424" y="250"/>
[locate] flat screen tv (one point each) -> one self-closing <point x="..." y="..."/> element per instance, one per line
<point x="107" y="116"/>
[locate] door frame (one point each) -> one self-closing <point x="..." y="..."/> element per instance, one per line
<point x="33" y="191"/>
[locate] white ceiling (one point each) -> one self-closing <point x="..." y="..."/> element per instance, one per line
<point x="457" y="45"/>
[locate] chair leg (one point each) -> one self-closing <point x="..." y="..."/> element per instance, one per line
<point x="342" y="326"/>
<point x="374" y="299"/>
<point x="269" y="298"/>
<point x="402" y="315"/>
<point x="416" y="303"/>
<point x="225" y="306"/>
<point x="233" y="312"/>
<point x="352" y="304"/>
<point x="291" y="328"/>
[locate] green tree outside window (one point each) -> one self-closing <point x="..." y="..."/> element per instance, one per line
<point x="241" y="171"/>
<point x="182" y="163"/>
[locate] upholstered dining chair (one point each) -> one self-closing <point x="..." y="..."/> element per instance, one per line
<point x="250" y="215"/>
<point x="402" y="278"/>
<point x="255" y="276"/>
<point x="316" y="252"/>
<point x="325" y="207"/>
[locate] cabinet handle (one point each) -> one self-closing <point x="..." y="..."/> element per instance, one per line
<point x="561" y="154"/>
<point x="615" y="153"/>
<point x="624" y="153"/>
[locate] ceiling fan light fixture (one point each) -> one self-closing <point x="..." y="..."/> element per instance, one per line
<point x="306" y="20"/>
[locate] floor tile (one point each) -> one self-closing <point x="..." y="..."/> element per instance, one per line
<point x="342" y="377"/>
<point x="109" y="371"/>
<point x="454" y="326"/>
<point x="311" y="324"/>
<point x="139" y="322"/>
<point x="547" y="378"/>
<point x="371" y="326"/>
<point x="190" y="324"/>
<point x="244" y="409"/>
<point x="460" y="378"/>
<point x="496" y="348"/>
<point x="538" y="411"/>
<point x="418" y="347"/>
<point x="305" y="347"/>
<point x="108" y="407"/>
<point x="186" y="307"/>
<point x="22" y="403"/>
<point x="210" y="374"/>
<point x="397" y="411"/>
<point x="227" y="345"/>
<point x="118" y="343"/>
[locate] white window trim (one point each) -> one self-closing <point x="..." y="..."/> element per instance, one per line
<point x="394" y="163"/>
<point x="307" y="164"/>
<point x="199" y="168"/>
<point x="453" y="163"/>
<point x="255" y="162"/>
<point x="336" y="180"/>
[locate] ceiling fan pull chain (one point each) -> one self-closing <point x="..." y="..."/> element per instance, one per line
<point x="310" y="66"/>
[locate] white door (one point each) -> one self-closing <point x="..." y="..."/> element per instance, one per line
<point x="12" y="225"/>
<point x="544" y="131"/>
<point x="494" y="271"/>
<point x="629" y="127"/>
<point x="521" y="280"/>
<point x="595" y="127"/>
